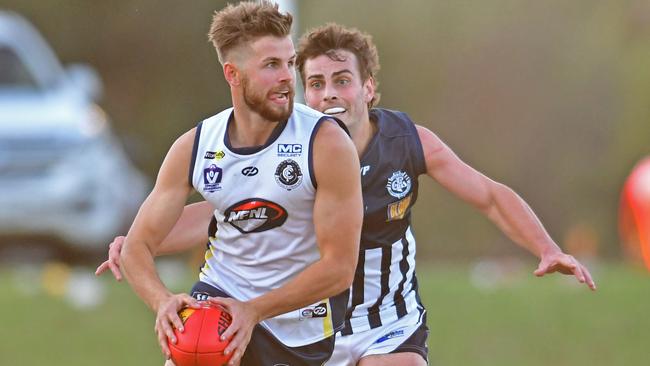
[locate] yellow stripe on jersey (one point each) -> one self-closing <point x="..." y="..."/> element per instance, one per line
<point x="208" y="253"/>
<point x="328" y="327"/>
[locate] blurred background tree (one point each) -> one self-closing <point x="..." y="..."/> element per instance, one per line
<point x="550" y="98"/>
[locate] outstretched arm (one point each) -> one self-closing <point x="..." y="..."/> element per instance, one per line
<point x="190" y="230"/>
<point x="501" y="205"/>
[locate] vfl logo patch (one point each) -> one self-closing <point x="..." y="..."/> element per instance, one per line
<point x="397" y="210"/>
<point x="288" y="174"/>
<point x="218" y="155"/>
<point x="289" y="150"/>
<point x="249" y="171"/>
<point x="318" y="311"/>
<point x="255" y="215"/>
<point x="391" y="335"/>
<point x="399" y="184"/>
<point x="212" y="178"/>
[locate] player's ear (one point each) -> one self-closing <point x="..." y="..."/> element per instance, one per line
<point x="369" y="89"/>
<point x="232" y="73"/>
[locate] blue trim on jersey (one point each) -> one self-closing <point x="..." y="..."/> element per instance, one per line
<point x="195" y="148"/>
<point x="250" y="150"/>
<point x="311" y="143"/>
<point x="342" y="125"/>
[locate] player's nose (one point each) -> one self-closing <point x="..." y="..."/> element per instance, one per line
<point x="287" y="74"/>
<point x="330" y="94"/>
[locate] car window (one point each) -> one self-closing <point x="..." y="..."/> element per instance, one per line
<point x="13" y="72"/>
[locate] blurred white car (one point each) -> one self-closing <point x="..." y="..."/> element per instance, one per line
<point x="63" y="173"/>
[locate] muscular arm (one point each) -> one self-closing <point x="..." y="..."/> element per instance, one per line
<point x="509" y="212"/>
<point x="154" y="221"/>
<point x="338" y="214"/>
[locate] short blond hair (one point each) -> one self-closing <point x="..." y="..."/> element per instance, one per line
<point x="239" y="24"/>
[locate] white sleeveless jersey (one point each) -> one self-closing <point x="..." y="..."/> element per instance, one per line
<point x="264" y="202"/>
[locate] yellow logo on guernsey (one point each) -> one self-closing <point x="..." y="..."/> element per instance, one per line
<point x="397" y="210"/>
<point x="219" y="155"/>
<point x="185" y="313"/>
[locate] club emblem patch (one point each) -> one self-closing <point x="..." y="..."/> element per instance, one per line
<point x="212" y="178"/>
<point x="399" y="184"/>
<point x="288" y="174"/>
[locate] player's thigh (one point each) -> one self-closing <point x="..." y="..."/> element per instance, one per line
<point x="391" y="359"/>
<point x="391" y="348"/>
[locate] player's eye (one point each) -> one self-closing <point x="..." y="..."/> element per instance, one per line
<point x="316" y="85"/>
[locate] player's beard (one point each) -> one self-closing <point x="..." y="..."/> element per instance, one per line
<point x="259" y="103"/>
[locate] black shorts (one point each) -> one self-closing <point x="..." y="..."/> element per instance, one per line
<point x="264" y="349"/>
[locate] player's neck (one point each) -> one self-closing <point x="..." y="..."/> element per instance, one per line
<point x="362" y="133"/>
<point x="249" y="129"/>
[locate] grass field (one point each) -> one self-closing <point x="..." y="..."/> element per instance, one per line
<point x="520" y="320"/>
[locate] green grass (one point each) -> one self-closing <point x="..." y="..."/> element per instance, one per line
<point x="538" y="321"/>
<point x="526" y="321"/>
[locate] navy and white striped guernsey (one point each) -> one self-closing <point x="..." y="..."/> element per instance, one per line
<point x="385" y="286"/>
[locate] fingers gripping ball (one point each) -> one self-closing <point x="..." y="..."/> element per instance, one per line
<point x="200" y="344"/>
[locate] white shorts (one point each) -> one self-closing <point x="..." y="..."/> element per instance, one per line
<point x="349" y="349"/>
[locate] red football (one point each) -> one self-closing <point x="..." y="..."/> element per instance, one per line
<point x="200" y="344"/>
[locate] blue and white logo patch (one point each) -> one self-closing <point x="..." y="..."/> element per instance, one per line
<point x="391" y="335"/>
<point x="289" y="150"/>
<point x="399" y="184"/>
<point x="212" y="178"/>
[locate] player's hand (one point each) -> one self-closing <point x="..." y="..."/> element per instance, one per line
<point x="113" y="261"/>
<point x="244" y="319"/>
<point x="167" y="318"/>
<point x="566" y="264"/>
